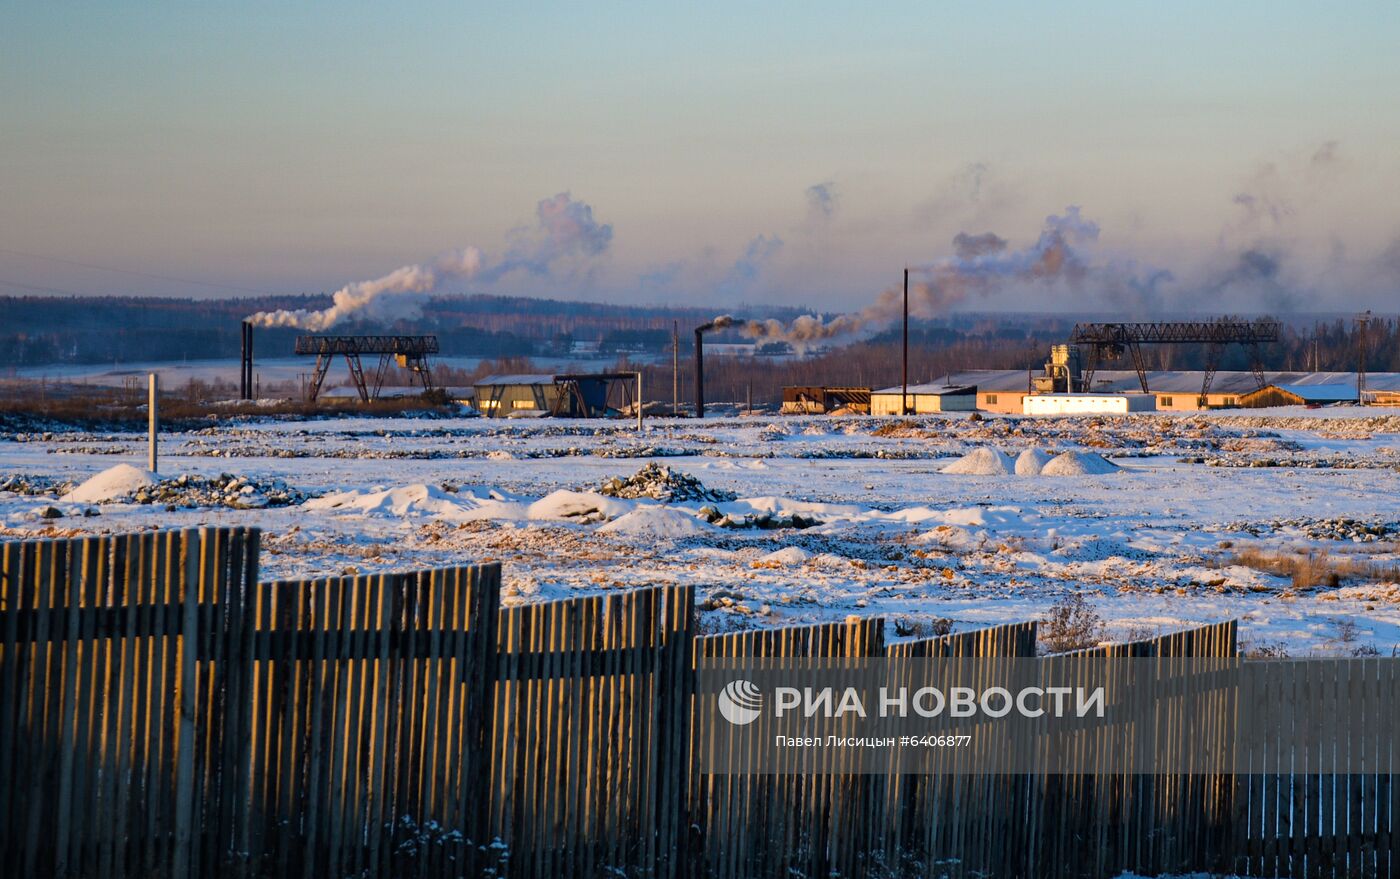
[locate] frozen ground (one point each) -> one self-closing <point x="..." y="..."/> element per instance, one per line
<point x="1152" y="542"/>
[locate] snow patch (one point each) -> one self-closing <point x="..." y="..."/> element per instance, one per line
<point x="1032" y="462"/>
<point x="1079" y="464"/>
<point x="110" y="484"/>
<point x="405" y="500"/>
<point x="792" y="555"/>
<point x="577" y="505"/>
<point x="986" y="461"/>
<point x="655" y="522"/>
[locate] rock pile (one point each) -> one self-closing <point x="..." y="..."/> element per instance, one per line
<point x="1333" y="528"/>
<point x="225" y="490"/>
<point x="659" y="482"/>
<point x="764" y="521"/>
<point x="29" y="486"/>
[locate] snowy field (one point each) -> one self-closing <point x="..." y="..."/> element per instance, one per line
<point x="791" y="520"/>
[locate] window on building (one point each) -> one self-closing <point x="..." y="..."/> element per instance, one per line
<point x="1166" y="401"/>
<point x="524" y="404"/>
<point x="1231" y="401"/>
<point x="490" y="404"/>
<point x="991" y="399"/>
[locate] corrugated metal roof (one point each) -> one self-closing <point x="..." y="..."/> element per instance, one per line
<point x="1321" y="393"/>
<point x="930" y="390"/>
<point x="1166" y="381"/>
<point x="521" y="379"/>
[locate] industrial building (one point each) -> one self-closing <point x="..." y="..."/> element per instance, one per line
<point x="818" y="400"/>
<point x="590" y="395"/>
<point x="1083" y="403"/>
<point x="926" y="399"/>
<point x="1299" y="395"/>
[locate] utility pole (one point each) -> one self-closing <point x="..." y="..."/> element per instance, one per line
<point x="639" y="401"/>
<point x="904" y="394"/>
<point x="153" y="421"/>
<point x="1361" y="326"/>
<point x="675" y="368"/>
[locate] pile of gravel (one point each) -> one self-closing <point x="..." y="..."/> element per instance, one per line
<point x="1333" y="528"/>
<point x="763" y="521"/>
<point x="29" y="486"/>
<point x="659" y="482"/>
<point x="236" y="492"/>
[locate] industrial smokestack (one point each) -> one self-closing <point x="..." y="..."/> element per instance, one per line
<point x="904" y="369"/>
<point x="700" y="371"/>
<point x="245" y="364"/>
<point x="718" y="323"/>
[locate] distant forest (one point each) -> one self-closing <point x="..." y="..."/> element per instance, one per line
<point x="56" y="330"/>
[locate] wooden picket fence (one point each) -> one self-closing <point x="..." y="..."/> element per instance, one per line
<point x="163" y="713"/>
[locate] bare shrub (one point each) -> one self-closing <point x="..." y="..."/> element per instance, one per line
<point x="1073" y="624"/>
<point x="910" y="627"/>
<point x="1263" y="650"/>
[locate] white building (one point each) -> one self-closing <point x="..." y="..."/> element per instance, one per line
<point x="924" y="399"/>
<point x="1087" y="404"/>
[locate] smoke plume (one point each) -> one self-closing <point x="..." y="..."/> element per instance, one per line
<point x="982" y="266"/>
<point x="564" y="227"/>
<point x="759" y="252"/>
<point x="821" y="200"/>
<point x="399" y="294"/>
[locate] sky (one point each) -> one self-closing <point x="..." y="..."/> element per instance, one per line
<point x="1237" y="154"/>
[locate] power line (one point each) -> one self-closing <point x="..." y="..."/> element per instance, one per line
<point x="33" y="288"/>
<point x="152" y="276"/>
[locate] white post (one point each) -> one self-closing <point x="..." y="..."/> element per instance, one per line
<point x="639" y="401"/>
<point x="153" y="411"/>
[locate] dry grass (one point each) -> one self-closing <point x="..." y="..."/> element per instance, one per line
<point x="1314" y="569"/>
<point x="1073" y="624"/>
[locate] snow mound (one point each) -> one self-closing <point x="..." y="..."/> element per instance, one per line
<point x="1079" y="464"/>
<point x="404" y="500"/>
<point x="986" y="461"/>
<point x="792" y="555"/>
<point x="1032" y="461"/>
<point x="655" y="522"/>
<point x="110" y="484"/>
<point x="984" y="517"/>
<point x="580" y="506"/>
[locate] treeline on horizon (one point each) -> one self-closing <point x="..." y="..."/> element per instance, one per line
<point x="510" y="330"/>
<point x="39" y="331"/>
<point x="938" y="352"/>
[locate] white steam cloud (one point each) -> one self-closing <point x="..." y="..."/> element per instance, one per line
<point x="564" y="227"/>
<point x="399" y="294"/>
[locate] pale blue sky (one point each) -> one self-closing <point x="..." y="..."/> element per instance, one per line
<point x="294" y="147"/>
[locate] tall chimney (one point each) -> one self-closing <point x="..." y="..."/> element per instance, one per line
<point x="245" y="368"/>
<point x="700" y="371"/>
<point x="904" y="393"/>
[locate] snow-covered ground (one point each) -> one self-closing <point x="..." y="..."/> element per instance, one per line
<point x="806" y="518"/>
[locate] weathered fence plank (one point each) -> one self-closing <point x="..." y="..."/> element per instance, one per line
<point x="163" y="713"/>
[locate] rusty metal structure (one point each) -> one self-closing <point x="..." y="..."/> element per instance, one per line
<point x="1112" y="340"/>
<point x="408" y="352"/>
